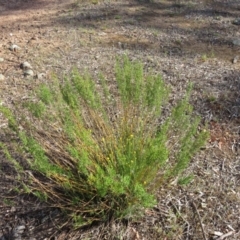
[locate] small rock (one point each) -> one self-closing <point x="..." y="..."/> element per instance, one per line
<point x="236" y="21"/>
<point x="17" y="232"/>
<point x="235" y="59"/>
<point x="217" y="18"/>
<point x="216" y="233"/>
<point x="20" y="229"/>
<point x="150" y="59"/>
<point x="121" y="45"/>
<point x="1" y="77"/>
<point x="28" y="72"/>
<point x="13" y="209"/>
<point x="236" y="42"/>
<point x="40" y="76"/>
<point x="25" y="65"/>
<point x="1" y="59"/>
<point x="14" y="48"/>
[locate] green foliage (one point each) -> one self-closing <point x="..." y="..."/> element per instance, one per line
<point x="15" y="163"/>
<point x="45" y="94"/>
<point x="12" y="123"/>
<point x="147" y="92"/>
<point x="185" y="180"/>
<point x="37" y="109"/>
<point x="41" y="195"/>
<point x="97" y="164"/>
<point x="8" y="202"/>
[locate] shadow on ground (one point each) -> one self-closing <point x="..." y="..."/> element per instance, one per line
<point x="13" y="5"/>
<point x="183" y="21"/>
<point x="21" y="213"/>
<point x="225" y="107"/>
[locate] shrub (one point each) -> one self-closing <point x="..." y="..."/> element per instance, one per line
<point x="99" y="152"/>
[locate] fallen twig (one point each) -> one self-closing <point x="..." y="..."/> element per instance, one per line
<point x="186" y="222"/>
<point x="200" y="220"/>
<point x="226" y="235"/>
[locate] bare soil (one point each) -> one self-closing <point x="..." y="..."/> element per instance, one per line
<point x="184" y="41"/>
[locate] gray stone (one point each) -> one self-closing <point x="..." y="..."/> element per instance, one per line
<point x="14" y="48"/>
<point x="40" y="76"/>
<point x="17" y="232"/>
<point x="25" y="65"/>
<point x="236" y="21"/>
<point x="235" y="59"/>
<point x="236" y="42"/>
<point x="217" y="18"/>
<point x="20" y="229"/>
<point x="28" y="73"/>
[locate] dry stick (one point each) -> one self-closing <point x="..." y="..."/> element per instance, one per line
<point x="226" y="235"/>
<point x="175" y="207"/>
<point x="200" y="220"/>
<point x="58" y="228"/>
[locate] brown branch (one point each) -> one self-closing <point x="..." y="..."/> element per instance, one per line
<point x="200" y="220"/>
<point x="226" y="235"/>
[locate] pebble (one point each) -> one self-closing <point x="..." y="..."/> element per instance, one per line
<point x="25" y="65"/>
<point x="40" y="76"/>
<point x="1" y="77"/>
<point x="14" y="48"/>
<point x="28" y="72"/>
<point x="235" y="59"/>
<point x="20" y="229"/>
<point x="217" y="18"/>
<point x="236" y="42"/>
<point x="121" y="45"/>
<point x="17" y="232"/>
<point x="236" y="21"/>
<point x="1" y="59"/>
<point x="13" y="209"/>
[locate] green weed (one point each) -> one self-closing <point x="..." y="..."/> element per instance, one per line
<point x="105" y="153"/>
